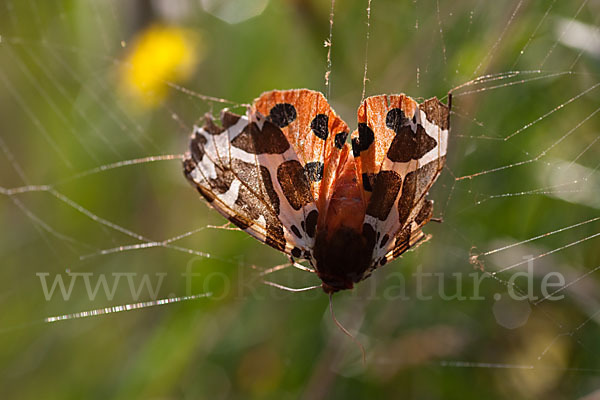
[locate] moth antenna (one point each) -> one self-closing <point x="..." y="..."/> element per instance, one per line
<point x="289" y="289"/>
<point x="272" y="269"/>
<point x="355" y="340"/>
<point x="276" y="268"/>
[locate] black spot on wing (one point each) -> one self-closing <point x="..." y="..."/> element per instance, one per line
<point x="282" y="114"/>
<point x="228" y="119"/>
<point x="355" y="147"/>
<point x="296" y="252"/>
<point x="269" y="140"/>
<point x="369" y="234"/>
<point x="314" y="171"/>
<point x="365" y="139"/>
<point x="365" y="135"/>
<point x="436" y="112"/>
<point x="296" y="231"/>
<point x="407" y="198"/>
<point x="395" y="118"/>
<point x="197" y="147"/>
<point x="210" y="126"/>
<point x="340" y="139"/>
<point x="384" y="240"/>
<point x="385" y="191"/>
<point x="292" y="179"/>
<point x="408" y="145"/>
<point x="311" y="223"/>
<point x="319" y="126"/>
<point x="367" y="180"/>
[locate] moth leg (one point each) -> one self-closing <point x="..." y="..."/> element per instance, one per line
<point x="300" y="266"/>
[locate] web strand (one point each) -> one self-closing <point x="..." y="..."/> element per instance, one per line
<point x="366" y="50"/>
<point x="328" y="45"/>
<point x="63" y="104"/>
<point x="123" y="308"/>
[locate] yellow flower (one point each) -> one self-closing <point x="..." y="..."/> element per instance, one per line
<point x="160" y="54"/>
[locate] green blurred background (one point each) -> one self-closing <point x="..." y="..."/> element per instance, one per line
<point x="69" y="103"/>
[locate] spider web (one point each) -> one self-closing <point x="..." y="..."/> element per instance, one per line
<point x="92" y="186"/>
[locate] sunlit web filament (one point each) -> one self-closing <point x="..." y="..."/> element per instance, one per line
<point x="124" y="307"/>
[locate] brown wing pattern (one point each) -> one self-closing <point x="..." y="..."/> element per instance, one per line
<point x="272" y="172"/>
<point x="405" y="157"/>
<point x="314" y="131"/>
<point x="233" y="182"/>
<point x="269" y="171"/>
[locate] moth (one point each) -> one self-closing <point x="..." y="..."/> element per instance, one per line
<point x="285" y="174"/>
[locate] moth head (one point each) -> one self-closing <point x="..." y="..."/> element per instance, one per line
<point x="332" y="284"/>
<point x="342" y="258"/>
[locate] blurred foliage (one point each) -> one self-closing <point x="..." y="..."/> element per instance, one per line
<point x="64" y="112"/>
